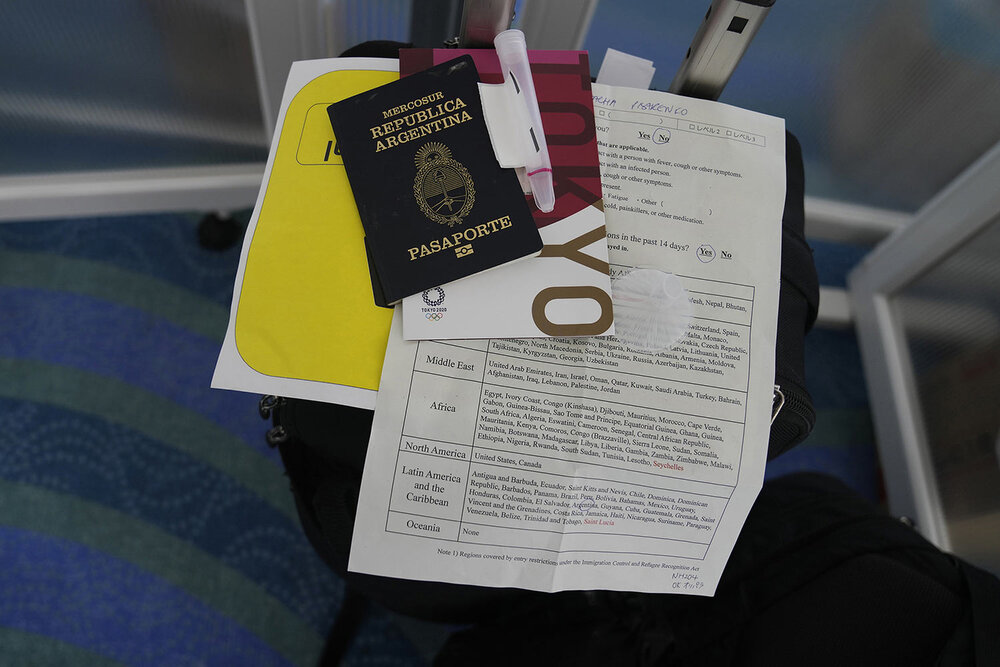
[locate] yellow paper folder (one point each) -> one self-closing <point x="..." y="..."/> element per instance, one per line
<point x="305" y="309"/>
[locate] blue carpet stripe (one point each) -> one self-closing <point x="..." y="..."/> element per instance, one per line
<point x="154" y="417"/>
<point x="29" y="649"/>
<point x="183" y="307"/>
<point x="163" y="246"/>
<point x="172" y="560"/>
<point x="378" y="637"/>
<point x="116" y="467"/>
<point x="64" y="590"/>
<point x="131" y="345"/>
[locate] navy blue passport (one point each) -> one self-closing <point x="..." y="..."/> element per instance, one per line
<point x="435" y="204"/>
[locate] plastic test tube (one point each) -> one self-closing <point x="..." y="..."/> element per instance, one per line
<point x="513" y="55"/>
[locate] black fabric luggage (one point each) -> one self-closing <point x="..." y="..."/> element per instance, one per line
<point x="819" y="576"/>
<point x="798" y="305"/>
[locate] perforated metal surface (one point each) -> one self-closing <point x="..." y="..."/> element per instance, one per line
<point x="950" y="318"/>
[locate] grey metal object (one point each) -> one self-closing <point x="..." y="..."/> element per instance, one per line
<point x="113" y="192"/>
<point x="718" y="45"/>
<point x="913" y="98"/>
<point x="556" y="24"/>
<point x="482" y="20"/>
<point x="927" y="307"/>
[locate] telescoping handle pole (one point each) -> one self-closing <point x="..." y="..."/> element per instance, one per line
<point x="720" y="42"/>
<point x="482" y="20"/>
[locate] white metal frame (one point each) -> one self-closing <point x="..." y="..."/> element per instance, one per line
<point x="843" y="222"/>
<point x="962" y="209"/>
<point x="81" y="194"/>
<point x="281" y="32"/>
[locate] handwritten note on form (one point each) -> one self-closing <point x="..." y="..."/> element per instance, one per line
<point x="555" y="464"/>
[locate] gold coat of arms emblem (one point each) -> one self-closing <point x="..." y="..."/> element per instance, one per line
<point x="443" y="186"/>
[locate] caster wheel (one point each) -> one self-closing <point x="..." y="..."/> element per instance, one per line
<point x="218" y="232"/>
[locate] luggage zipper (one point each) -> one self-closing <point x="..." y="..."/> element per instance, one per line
<point x="277" y="434"/>
<point x="777" y="402"/>
<point x="267" y="404"/>
<point x="789" y="397"/>
<point x="797" y="414"/>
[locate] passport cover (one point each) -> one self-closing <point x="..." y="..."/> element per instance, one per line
<point x="562" y="85"/>
<point x="435" y="204"/>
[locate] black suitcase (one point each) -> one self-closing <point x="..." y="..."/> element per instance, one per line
<point x="817" y="577"/>
<point x="323" y="446"/>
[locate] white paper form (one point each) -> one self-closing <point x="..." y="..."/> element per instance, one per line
<point x="554" y="464"/>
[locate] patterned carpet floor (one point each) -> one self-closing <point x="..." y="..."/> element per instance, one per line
<point x="143" y="519"/>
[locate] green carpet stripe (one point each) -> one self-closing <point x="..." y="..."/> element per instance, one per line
<point x="841" y="428"/>
<point x="154" y="416"/>
<point x="31" y="650"/>
<point x="112" y="532"/>
<point x="103" y="281"/>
